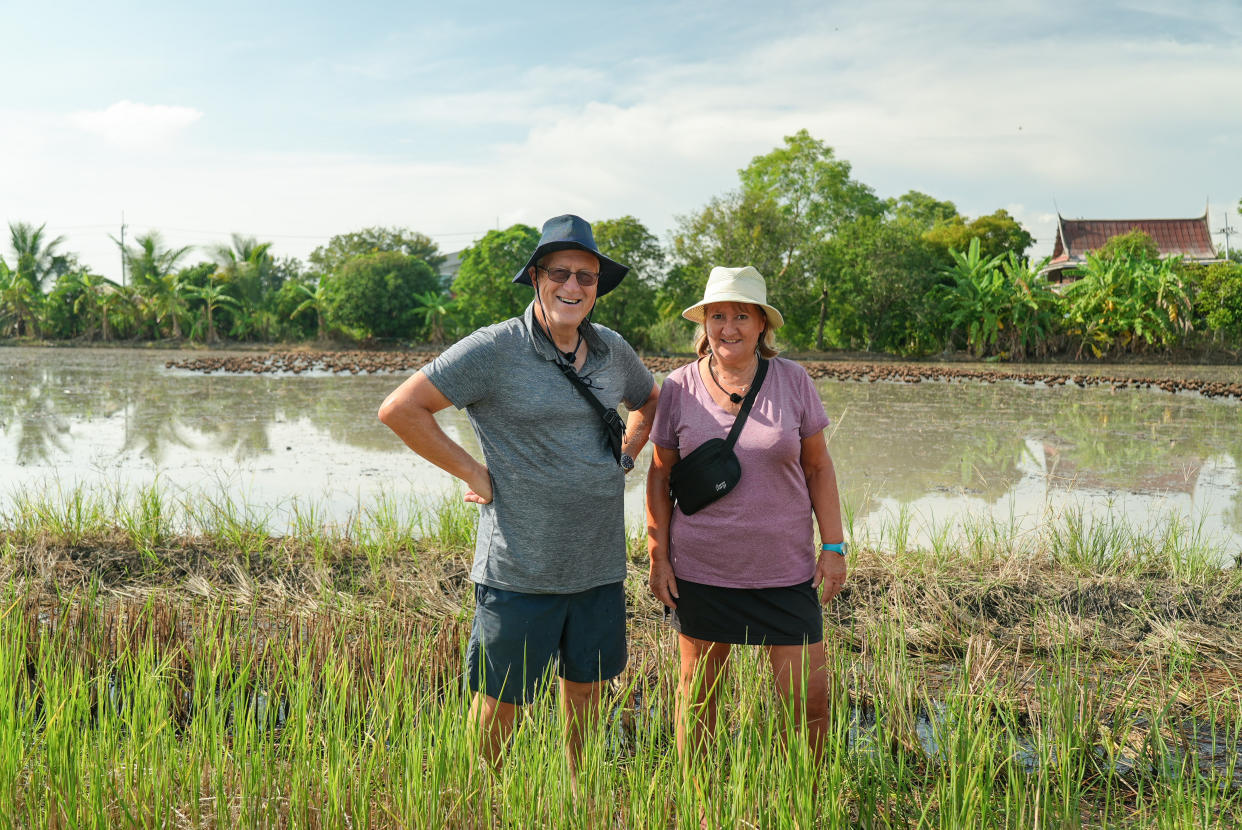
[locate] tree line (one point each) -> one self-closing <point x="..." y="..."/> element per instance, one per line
<point x="849" y="270"/>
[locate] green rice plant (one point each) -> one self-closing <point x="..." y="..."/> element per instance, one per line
<point x="175" y="711"/>
<point x="383" y="533"/>
<point x="308" y="528"/>
<point x="147" y="520"/>
<point x="1084" y="545"/>
<point x="67" y="516"/>
<point x="849" y="517"/>
<point x="228" y="522"/>
<point x="1179" y="546"/>
<point x="896" y="532"/>
<point x="449" y="523"/>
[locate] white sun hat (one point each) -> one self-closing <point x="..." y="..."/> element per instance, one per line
<point x="735" y="285"/>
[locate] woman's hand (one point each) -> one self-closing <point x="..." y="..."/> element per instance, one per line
<point x="480" y="491"/>
<point x="662" y="582"/>
<point x="830" y="573"/>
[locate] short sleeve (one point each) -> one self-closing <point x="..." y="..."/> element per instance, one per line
<point x="668" y="413"/>
<point x="814" y="418"/>
<point x="637" y="378"/>
<point x="464" y="372"/>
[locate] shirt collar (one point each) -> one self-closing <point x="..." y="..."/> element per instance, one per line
<point x="543" y="345"/>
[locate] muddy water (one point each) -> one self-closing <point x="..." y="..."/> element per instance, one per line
<point x="928" y="454"/>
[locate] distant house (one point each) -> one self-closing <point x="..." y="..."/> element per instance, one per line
<point x="1190" y="238"/>
<point x="450" y="267"/>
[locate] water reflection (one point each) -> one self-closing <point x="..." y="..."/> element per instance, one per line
<point x="934" y="450"/>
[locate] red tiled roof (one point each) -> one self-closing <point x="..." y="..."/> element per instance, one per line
<point x="1191" y="238"/>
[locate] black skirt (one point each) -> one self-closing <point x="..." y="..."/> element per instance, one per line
<point x="785" y="616"/>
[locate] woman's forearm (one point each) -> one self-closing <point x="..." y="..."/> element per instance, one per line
<point x="826" y="504"/>
<point x="659" y="502"/>
<point x="821" y="485"/>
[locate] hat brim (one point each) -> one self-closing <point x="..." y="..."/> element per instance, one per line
<point x="611" y="272"/>
<point x="696" y="312"/>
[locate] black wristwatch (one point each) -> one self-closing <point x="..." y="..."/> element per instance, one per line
<point x="627" y="463"/>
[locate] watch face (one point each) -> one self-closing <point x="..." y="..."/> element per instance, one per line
<point x="627" y="463"/>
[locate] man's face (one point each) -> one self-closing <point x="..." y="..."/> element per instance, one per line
<point x="567" y="305"/>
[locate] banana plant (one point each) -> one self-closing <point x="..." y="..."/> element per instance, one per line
<point x="1127" y="304"/>
<point x="434" y="309"/>
<point x="974" y="301"/>
<point x="316" y="300"/>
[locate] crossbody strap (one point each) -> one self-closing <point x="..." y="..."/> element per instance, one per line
<point x="569" y="372"/>
<point x="747" y="403"/>
<point x="583" y="389"/>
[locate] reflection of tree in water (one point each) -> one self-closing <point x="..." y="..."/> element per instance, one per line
<point x="346" y="409"/>
<point x="153" y="422"/>
<point x="1233" y="516"/>
<point x="41" y="429"/>
<point x="39" y="401"/>
<point x="1136" y="440"/>
<point x="927" y="439"/>
<point x="239" y="412"/>
<point x="895" y="441"/>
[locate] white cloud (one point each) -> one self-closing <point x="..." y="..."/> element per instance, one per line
<point x="132" y="125"/>
<point x="1106" y="125"/>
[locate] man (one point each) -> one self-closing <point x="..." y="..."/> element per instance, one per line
<point x="549" y="563"/>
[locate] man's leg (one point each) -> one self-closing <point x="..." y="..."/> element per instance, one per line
<point x="512" y="641"/>
<point x="493" y="721"/>
<point x="581" y="702"/>
<point x="593" y="651"/>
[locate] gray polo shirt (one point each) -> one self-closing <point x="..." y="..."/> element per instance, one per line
<point x="556" y="523"/>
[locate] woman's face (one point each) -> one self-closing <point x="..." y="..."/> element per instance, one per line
<point x="733" y="330"/>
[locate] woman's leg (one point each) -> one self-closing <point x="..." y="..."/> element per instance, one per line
<point x="702" y="663"/>
<point x="801" y="675"/>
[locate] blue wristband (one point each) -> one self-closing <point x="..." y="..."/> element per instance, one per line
<point x="840" y="548"/>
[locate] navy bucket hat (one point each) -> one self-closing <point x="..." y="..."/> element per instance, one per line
<point x="561" y="233"/>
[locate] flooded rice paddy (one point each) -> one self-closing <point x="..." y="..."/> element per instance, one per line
<point x="913" y="458"/>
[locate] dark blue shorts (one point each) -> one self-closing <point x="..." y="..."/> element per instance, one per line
<point x="515" y="637"/>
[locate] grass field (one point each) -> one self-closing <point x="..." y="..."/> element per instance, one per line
<point x="171" y="665"/>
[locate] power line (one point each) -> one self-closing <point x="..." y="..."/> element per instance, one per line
<point x="290" y="235"/>
<point x="203" y="232"/>
<point x="1228" y="232"/>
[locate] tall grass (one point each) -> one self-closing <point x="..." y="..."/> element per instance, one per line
<point x="174" y="708"/>
<point x="212" y="726"/>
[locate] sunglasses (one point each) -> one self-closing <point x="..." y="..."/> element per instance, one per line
<point x="560" y="276"/>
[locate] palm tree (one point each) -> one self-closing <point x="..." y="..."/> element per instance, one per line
<point x="152" y="268"/>
<point x="213" y="296"/>
<point x="37" y="255"/>
<point x="246" y="263"/>
<point x="95" y="302"/>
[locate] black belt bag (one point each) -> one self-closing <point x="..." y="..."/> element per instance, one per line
<point x="712" y="470"/>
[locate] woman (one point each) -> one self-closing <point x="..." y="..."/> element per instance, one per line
<point x="743" y="569"/>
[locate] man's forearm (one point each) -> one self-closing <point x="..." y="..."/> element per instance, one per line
<point x="638" y="425"/>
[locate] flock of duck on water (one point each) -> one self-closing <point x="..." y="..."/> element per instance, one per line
<point x="371" y="362"/>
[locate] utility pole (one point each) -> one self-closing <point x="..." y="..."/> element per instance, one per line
<point x="1228" y="232"/>
<point x="123" y="249"/>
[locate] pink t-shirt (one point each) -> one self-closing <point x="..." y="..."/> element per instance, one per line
<point x="759" y="535"/>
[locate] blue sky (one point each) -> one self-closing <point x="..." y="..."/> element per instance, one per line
<point x="293" y="122"/>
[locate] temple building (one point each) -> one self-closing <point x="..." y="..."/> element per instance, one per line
<point x="1190" y="238"/>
